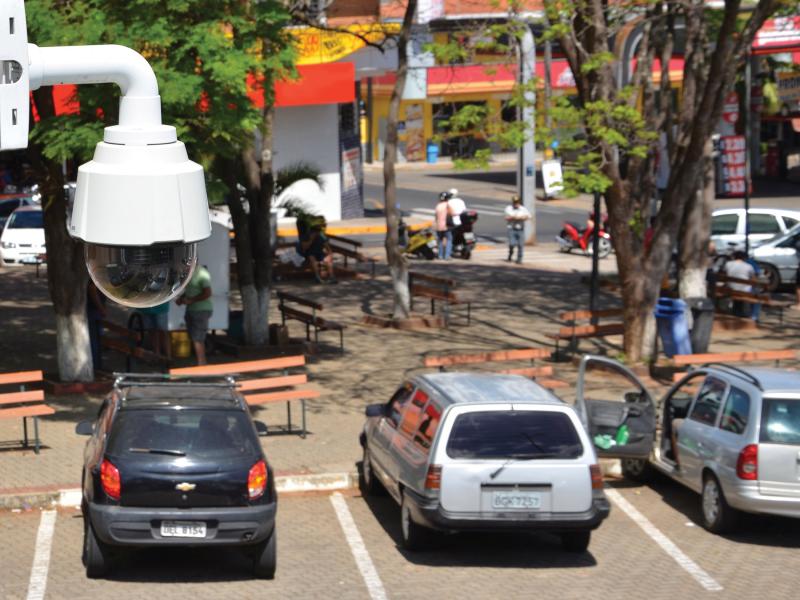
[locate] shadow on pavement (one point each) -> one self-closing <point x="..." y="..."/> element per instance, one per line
<point x="499" y="550"/>
<point x="758" y="530"/>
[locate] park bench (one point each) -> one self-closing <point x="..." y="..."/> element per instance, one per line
<point x="436" y="288"/>
<point x="309" y="316"/>
<point x="24" y="403"/>
<point x="260" y="386"/>
<point x="348" y="249"/>
<point x="577" y="324"/>
<point x="542" y="374"/>
<point x="758" y="295"/>
<point x="688" y="360"/>
<point x="128" y="342"/>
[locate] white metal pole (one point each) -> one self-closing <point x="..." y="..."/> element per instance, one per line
<point x="526" y="174"/>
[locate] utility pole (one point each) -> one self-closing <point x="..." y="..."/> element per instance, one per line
<point x="526" y="169"/>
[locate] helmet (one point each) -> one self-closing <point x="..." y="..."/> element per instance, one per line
<point x="453" y="192"/>
<point x="444" y="196"/>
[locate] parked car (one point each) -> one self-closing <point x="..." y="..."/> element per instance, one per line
<point x="737" y="436"/>
<point x="22" y="238"/>
<point x="778" y="259"/>
<point x="173" y="463"/>
<point x="483" y="452"/>
<point x="10" y="203"/>
<point x="727" y="226"/>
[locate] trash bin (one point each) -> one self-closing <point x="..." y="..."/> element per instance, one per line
<point x="432" y="152"/>
<point x="672" y="327"/>
<point x="702" y="322"/>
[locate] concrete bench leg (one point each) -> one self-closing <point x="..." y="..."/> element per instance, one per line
<point x="303" y="418"/>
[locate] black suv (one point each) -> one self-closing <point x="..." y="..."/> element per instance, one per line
<point x="176" y="463"/>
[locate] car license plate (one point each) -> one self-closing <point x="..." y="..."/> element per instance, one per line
<point x="185" y="529"/>
<point x="516" y="500"/>
<point x="469" y="236"/>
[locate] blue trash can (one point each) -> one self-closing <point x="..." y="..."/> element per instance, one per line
<point x="672" y="326"/>
<point x="432" y="150"/>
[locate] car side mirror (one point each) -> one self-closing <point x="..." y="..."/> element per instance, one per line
<point x="84" y="428"/>
<point x="375" y="410"/>
<point x="261" y="428"/>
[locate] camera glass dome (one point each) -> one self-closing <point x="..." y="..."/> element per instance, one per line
<point x="141" y="276"/>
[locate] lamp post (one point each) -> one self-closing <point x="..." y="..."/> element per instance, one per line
<point x="526" y="168"/>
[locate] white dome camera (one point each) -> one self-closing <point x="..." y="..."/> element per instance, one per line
<point x="140" y="203"/>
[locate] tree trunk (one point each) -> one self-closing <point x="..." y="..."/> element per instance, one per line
<point x="398" y="266"/>
<point x="66" y="269"/>
<point x="696" y="233"/>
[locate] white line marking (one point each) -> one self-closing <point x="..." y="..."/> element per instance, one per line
<point x="688" y="565"/>
<point x="357" y="547"/>
<point x="41" y="559"/>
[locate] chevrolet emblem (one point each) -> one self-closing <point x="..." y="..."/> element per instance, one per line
<point x="185" y="487"/>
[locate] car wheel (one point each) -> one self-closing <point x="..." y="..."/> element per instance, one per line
<point x="369" y="484"/>
<point x="636" y="469"/>
<point x="266" y="560"/>
<point x="773" y="276"/>
<point x="95" y="555"/>
<point x="718" y="517"/>
<point x="576" y="541"/>
<point x="415" y="537"/>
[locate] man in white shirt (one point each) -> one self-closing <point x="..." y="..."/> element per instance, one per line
<point x="456" y="206"/>
<point x="741" y="269"/>
<point x="516" y="215"/>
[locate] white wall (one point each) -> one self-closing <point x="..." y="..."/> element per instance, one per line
<point x="311" y="134"/>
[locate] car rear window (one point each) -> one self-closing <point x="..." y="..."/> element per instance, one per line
<point x="191" y="433"/>
<point x="780" y="421"/>
<point x="26" y="220"/>
<point x="513" y="434"/>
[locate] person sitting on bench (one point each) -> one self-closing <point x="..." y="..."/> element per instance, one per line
<point x="740" y="268"/>
<point x="315" y="249"/>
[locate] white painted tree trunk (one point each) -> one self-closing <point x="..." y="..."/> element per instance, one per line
<point x="649" y="339"/>
<point x="402" y="298"/>
<point x="74" y="350"/>
<point x="256" y="307"/>
<point x="692" y="282"/>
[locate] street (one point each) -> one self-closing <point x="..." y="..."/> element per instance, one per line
<point x="347" y="547"/>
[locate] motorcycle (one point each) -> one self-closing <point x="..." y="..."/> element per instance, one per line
<point x="575" y="237"/>
<point x="463" y="236"/>
<point x="420" y="244"/>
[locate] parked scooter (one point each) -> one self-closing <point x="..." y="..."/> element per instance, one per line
<point x="420" y="244"/>
<point x="575" y="237"/>
<point x="463" y="236"/>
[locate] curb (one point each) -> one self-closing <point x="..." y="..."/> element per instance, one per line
<point x="285" y="484"/>
<point x="344" y="230"/>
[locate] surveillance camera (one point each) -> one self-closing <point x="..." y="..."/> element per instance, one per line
<point x="141" y="276"/>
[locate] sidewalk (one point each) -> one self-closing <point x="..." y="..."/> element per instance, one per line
<point x="512" y="305"/>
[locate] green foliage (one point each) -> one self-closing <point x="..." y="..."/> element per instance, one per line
<point x="201" y="51"/>
<point x="296" y="172"/>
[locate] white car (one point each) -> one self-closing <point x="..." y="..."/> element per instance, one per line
<point x="22" y="240"/>
<point x="727" y="226"/>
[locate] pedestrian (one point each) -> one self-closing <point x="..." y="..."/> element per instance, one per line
<point x="199" y="306"/>
<point x="444" y="227"/>
<point x="155" y="320"/>
<point x="95" y="312"/>
<point x="516" y="215"/>
<point x="739" y="268"/>
<point x="314" y="247"/>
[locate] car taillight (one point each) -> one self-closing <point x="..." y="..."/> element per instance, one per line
<point x="433" y="480"/>
<point x="109" y="479"/>
<point x="597" y="477"/>
<point x="257" y="480"/>
<point x="747" y="464"/>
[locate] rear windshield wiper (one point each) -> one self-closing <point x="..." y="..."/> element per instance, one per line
<point x="157" y="451"/>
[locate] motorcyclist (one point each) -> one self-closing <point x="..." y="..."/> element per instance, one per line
<point x="456" y="206"/>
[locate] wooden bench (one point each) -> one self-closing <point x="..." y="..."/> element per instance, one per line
<point x="128" y="341"/>
<point x="541" y="374"/>
<point x="259" y="389"/>
<point x="24" y="403"/>
<point x="436" y="288"/>
<point x="758" y="295"/>
<point x="348" y="248"/>
<point x="686" y="360"/>
<point x="573" y="331"/>
<point x="311" y="319"/>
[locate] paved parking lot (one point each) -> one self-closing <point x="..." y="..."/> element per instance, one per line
<point x="347" y="547"/>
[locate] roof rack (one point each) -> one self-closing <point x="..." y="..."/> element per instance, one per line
<point x="736" y="371"/>
<point x="155" y="379"/>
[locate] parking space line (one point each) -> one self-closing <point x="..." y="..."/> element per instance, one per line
<point x="357" y="547"/>
<point x="41" y="559"/>
<point x="667" y="545"/>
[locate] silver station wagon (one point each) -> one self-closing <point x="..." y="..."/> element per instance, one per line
<point x="471" y="452"/>
<point x="732" y="435"/>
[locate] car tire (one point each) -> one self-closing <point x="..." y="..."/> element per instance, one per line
<point x="773" y="276"/>
<point x="718" y="516"/>
<point x="636" y="469"/>
<point x="265" y="560"/>
<point x="414" y="537"/>
<point x="95" y="554"/>
<point x="367" y="482"/>
<point x="576" y="541"/>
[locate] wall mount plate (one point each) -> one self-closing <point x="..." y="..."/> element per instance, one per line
<point x="14" y="81"/>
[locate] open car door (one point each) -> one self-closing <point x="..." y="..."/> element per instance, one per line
<point x="615" y="408"/>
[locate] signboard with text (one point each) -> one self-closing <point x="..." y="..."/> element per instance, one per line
<point x="734" y="175"/>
